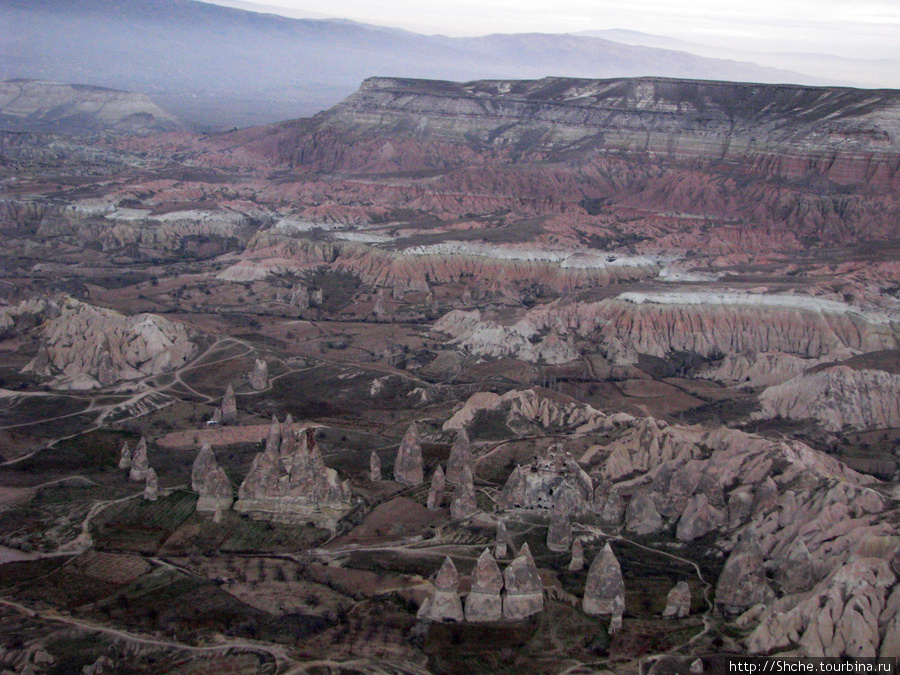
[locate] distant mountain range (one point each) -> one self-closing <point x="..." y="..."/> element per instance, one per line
<point x="30" y="105"/>
<point x="837" y="70"/>
<point x="219" y="67"/>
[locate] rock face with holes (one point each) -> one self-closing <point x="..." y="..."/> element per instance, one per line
<point x="408" y="464"/>
<point x="604" y="590"/>
<point x="289" y="482"/>
<point x="524" y="588"/>
<point x="484" y="602"/>
<point x="547" y="480"/>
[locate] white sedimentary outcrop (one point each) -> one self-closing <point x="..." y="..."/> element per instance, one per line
<point x="204" y="462"/>
<point x="742" y="583"/>
<point x="559" y="534"/>
<point x="83" y="346"/>
<point x="699" y="518"/>
<point x="228" y="409"/>
<point x="576" y="564"/>
<point x="35" y="105"/>
<point x="216" y="493"/>
<point x="836" y="397"/>
<point x="708" y="324"/>
<point x="502" y="542"/>
<point x="763" y="369"/>
<point x="849" y="613"/>
<point x="649" y="444"/>
<point x="641" y="516"/>
<point x="521" y="340"/>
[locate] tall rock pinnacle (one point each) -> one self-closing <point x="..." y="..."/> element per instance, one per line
<point x="408" y="465"/>
<point x="604" y="590"/>
<point x="524" y="588"/>
<point x="484" y="602"/>
<point x="460" y="456"/>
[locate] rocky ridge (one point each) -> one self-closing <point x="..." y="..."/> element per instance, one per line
<point x="33" y="105"/>
<point x="86" y="347"/>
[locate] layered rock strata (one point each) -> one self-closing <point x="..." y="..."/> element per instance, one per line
<point x="705" y="323"/>
<point x="836" y="397"/>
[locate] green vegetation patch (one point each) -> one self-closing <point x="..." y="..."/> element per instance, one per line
<point x="142" y="526"/>
<point x="240" y="534"/>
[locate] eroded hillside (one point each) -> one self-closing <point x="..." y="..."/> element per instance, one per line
<point x="452" y="366"/>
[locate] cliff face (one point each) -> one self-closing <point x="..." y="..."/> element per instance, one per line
<point x="771" y="166"/>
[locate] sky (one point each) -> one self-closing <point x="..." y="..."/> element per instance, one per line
<point x="848" y="28"/>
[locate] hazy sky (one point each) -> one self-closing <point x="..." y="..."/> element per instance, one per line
<point x="858" y="28"/>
